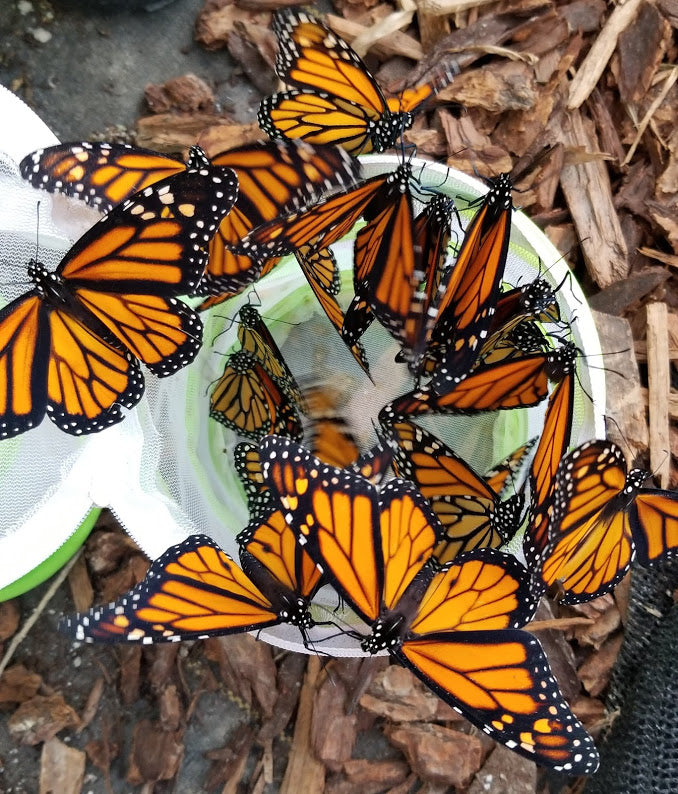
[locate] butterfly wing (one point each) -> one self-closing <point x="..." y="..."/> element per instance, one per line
<point x="470" y="295"/>
<point x="248" y="400"/>
<point x="500" y="476"/>
<point x="465" y="644"/>
<point x="654" y="523"/>
<point x="194" y="590"/>
<point x="311" y="56"/>
<point x="551" y="449"/>
<point x="432" y="234"/>
<point x="590" y="541"/>
<point x="156" y="242"/>
<point x="248" y="468"/>
<point x="331" y="307"/>
<point x="384" y="255"/>
<point x="318" y="118"/>
<point x="464" y="504"/>
<point x="518" y="383"/>
<point x="335" y="514"/>
<point x="272" y="544"/>
<point x="256" y="339"/>
<point x="24" y="351"/>
<point x="322" y="224"/>
<point x="274" y="177"/>
<point x="101" y="174"/>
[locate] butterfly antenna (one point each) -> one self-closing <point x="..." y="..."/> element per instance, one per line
<point x="37" y="230"/>
<point x="253" y="293"/>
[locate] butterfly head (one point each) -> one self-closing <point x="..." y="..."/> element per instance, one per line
<point x="387" y="632"/>
<point x="539" y="300"/>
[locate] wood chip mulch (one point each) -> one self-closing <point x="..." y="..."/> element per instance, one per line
<point x="596" y="84"/>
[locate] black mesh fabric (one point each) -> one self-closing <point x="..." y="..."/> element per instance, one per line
<point x="639" y="755"/>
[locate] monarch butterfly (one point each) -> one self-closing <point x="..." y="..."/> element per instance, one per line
<point x="256" y="339"/>
<point x="471" y="513"/>
<point x="273" y="177"/>
<point x="514" y="325"/>
<point x="457" y="629"/>
<point x="394" y="253"/>
<point x="329" y="434"/>
<point x="533" y="301"/>
<point x="195" y="590"/>
<point x="336" y="100"/>
<point x="468" y="296"/>
<point x="432" y="234"/>
<point x="376" y="267"/>
<point x="71" y="346"/>
<point x="517" y="383"/>
<point x="601" y="518"/>
<point x="249" y="400"/>
<point x="384" y="273"/>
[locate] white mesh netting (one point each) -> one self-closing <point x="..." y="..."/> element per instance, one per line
<point x="166" y="470"/>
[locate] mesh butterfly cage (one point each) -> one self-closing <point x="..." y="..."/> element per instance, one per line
<point x="167" y="471"/>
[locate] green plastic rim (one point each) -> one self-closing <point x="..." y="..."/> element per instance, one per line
<point x="54" y="562"/>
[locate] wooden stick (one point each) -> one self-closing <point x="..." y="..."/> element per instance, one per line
<point x="558" y="623"/>
<point x="588" y="194"/>
<point x="397" y="43"/>
<point x="673" y="403"/>
<point x="444" y="8"/>
<point x="594" y="64"/>
<point x="659" y="386"/>
<point x="668" y="85"/>
<point x="666" y="259"/>
<point x="304" y="772"/>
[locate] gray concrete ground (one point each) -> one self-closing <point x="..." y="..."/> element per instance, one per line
<point x="83" y="65"/>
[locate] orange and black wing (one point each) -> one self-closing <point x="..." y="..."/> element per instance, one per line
<point x="337" y="100"/>
<point x="321" y="224"/>
<point x="121" y="277"/>
<point x="590" y="538"/>
<point x="256" y="339"/>
<point x="518" y="383"/>
<point x="248" y="468"/>
<point x="384" y="258"/>
<point x="505" y="473"/>
<point x="654" y="524"/>
<point x="155" y="243"/>
<point x="469" y="296"/>
<point x="374" y="463"/>
<point x="432" y="234"/>
<point x="270" y="544"/>
<point x="101" y="174"/>
<point x="469" y="511"/>
<point x="551" y="449"/>
<point x="465" y="644"/>
<point x="335" y="514"/>
<point x="274" y="177"/>
<point x="195" y="590"/>
<point x="330" y="305"/>
<point x="247" y="399"/>
<point x="50" y="361"/>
